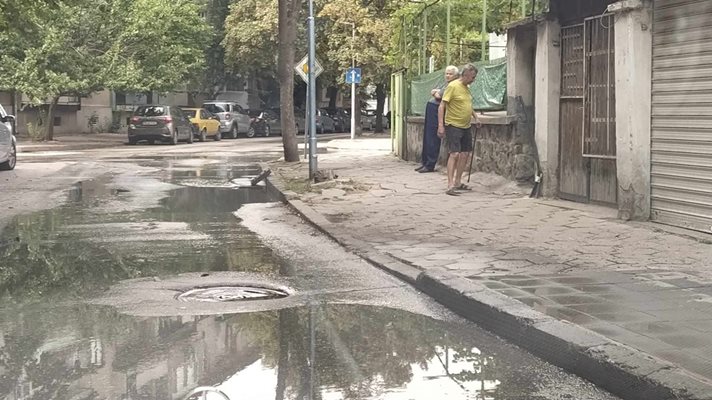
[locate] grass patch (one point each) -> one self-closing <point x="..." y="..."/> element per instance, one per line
<point x="297" y="185"/>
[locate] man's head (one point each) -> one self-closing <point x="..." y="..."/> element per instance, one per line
<point x="451" y="73"/>
<point x="468" y="74"/>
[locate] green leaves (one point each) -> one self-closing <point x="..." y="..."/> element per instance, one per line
<point x="251" y="36"/>
<point x="75" y="47"/>
<point x="161" y="46"/>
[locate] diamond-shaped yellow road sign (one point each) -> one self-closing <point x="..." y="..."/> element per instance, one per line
<point x="302" y="68"/>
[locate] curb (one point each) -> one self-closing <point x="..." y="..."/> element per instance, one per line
<point x="72" y="142"/>
<point x="621" y="370"/>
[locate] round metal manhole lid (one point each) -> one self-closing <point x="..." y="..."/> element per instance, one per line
<point x="218" y="294"/>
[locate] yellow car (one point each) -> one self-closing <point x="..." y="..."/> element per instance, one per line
<point x="204" y="123"/>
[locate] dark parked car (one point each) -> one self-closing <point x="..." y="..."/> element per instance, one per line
<point x="324" y="123"/>
<point x="341" y="117"/>
<point x="8" y="144"/>
<point x="233" y="118"/>
<point x="268" y="122"/>
<point x="160" y="123"/>
<point x="275" y="120"/>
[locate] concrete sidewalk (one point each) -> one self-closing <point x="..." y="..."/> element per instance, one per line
<point x="72" y="142"/>
<point x="626" y="305"/>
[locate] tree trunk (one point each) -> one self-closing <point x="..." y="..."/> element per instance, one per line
<point x="254" y="101"/>
<point x="359" y="128"/>
<point x="332" y="92"/>
<point x="49" y="135"/>
<point x="380" y="103"/>
<point x="288" y="13"/>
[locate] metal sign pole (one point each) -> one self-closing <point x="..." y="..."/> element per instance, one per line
<point x="312" y="95"/>
<point x="306" y="124"/>
<point x="353" y="83"/>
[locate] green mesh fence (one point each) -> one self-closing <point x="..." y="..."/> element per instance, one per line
<point x="489" y="91"/>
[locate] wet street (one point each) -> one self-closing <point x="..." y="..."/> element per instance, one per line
<point x="149" y="272"/>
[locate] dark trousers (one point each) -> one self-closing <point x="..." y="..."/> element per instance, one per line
<point x="431" y="141"/>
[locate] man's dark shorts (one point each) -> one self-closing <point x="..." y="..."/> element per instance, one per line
<point x="459" y="140"/>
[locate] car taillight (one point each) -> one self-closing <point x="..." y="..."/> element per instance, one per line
<point x="167" y="119"/>
<point x="135" y="120"/>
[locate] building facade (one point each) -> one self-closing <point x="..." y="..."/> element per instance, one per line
<point x="621" y="92"/>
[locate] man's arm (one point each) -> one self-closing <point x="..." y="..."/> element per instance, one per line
<point x="477" y="120"/>
<point x="441" y="119"/>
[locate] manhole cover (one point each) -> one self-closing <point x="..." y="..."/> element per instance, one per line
<point x="231" y="293"/>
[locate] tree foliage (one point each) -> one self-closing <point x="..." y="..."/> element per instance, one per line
<point x="250" y="41"/>
<point x="465" y="30"/>
<point x="213" y="76"/>
<point x="76" y="47"/>
<point x="371" y="45"/>
<point x="160" y="47"/>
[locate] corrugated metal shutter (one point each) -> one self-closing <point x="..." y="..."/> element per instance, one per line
<point x="681" y="186"/>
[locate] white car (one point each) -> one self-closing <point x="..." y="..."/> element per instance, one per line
<point x="8" y="143"/>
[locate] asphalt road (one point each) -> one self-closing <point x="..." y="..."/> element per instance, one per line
<point x="116" y="265"/>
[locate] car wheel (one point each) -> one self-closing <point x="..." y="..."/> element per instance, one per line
<point x="233" y="132"/>
<point x="250" y="132"/>
<point x="268" y="131"/>
<point x="217" y="137"/>
<point x="190" y="137"/>
<point x="203" y="135"/>
<point x="11" y="161"/>
<point x="174" y="138"/>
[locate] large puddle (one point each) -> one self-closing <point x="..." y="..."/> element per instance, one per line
<point x="328" y="352"/>
<point x="355" y="333"/>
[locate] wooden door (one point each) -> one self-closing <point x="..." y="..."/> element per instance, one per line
<point x="587" y="169"/>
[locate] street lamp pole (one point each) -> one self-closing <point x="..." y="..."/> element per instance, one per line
<point x="353" y="79"/>
<point x="353" y="83"/>
<point x="312" y="95"/>
<point x="447" y="28"/>
<point x="484" y="29"/>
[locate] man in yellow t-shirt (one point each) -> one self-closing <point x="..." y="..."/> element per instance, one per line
<point x="454" y="121"/>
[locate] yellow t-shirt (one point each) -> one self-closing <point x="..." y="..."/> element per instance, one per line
<point x="458" y="111"/>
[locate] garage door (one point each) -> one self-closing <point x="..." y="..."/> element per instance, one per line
<point x="681" y="180"/>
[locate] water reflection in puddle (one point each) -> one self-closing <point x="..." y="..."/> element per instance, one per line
<point x="112" y="230"/>
<point x="357" y="352"/>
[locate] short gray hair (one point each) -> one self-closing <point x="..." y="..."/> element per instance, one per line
<point x="453" y="69"/>
<point x="468" y="67"/>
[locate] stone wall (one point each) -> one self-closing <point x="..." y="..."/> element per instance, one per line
<point x="502" y="147"/>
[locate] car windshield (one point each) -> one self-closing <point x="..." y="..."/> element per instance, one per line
<point x="216" y="108"/>
<point x="189" y="113"/>
<point x="150" y="111"/>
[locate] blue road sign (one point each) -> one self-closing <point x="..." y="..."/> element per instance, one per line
<point x="353" y="75"/>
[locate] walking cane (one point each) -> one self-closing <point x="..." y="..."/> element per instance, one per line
<point x="472" y="158"/>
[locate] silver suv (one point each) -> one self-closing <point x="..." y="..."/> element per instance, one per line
<point x="8" y="143"/>
<point x="233" y="118"/>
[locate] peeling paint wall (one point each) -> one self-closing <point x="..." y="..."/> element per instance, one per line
<point x="547" y="91"/>
<point x="633" y="109"/>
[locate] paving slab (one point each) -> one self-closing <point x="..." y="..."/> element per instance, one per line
<point x="506" y="261"/>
